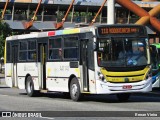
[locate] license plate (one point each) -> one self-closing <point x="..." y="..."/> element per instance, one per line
<point x="127" y="86"/>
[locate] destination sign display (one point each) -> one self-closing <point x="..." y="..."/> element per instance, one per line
<point x="106" y="30"/>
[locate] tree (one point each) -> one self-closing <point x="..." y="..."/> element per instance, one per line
<point x="5" y="31"/>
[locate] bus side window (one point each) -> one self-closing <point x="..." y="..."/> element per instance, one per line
<point x="32" y="55"/>
<point x="55" y="49"/>
<point x="55" y="54"/>
<point x="23" y="50"/>
<point x="32" y="50"/>
<point x="71" y="47"/>
<point x="71" y="53"/>
<point x="23" y="55"/>
<point x="50" y="54"/>
<point x="8" y="52"/>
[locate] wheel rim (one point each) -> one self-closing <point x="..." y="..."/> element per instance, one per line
<point x="29" y="87"/>
<point x="74" y="90"/>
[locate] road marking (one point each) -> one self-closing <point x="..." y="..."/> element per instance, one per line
<point x="3" y="95"/>
<point x="47" y="118"/>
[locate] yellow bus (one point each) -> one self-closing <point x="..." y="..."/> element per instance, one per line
<point x="104" y="59"/>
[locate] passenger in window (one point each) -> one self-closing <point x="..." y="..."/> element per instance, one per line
<point x="56" y="54"/>
<point x="60" y="53"/>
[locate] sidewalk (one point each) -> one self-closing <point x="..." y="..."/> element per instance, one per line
<point x="2" y="80"/>
<point x="1" y="75"/>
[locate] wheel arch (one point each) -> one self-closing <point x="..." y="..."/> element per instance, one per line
<point x="70" y="78"/>
<point x="26" y="79"/>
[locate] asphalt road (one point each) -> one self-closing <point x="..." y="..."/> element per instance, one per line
<point x="57" y="106"/>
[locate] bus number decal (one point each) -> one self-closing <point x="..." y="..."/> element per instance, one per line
<point x="64" y="68"/>
<point x="29" y="68"/>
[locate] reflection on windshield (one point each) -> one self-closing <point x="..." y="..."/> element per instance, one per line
<point x="122" y="52"/>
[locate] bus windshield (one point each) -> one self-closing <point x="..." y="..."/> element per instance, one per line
<point x="122" y="52"/>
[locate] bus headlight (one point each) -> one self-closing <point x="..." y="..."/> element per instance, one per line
<point x="101" y="77"/>
<point x="149" y="74"/>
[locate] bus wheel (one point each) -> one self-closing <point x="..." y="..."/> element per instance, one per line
<point x="75" y="93"/>
<point x="30" y="87"/>
<point x="123" y="97"/>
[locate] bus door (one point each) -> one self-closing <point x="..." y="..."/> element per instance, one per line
<point x="14" y="67"/>
<point x="42" y="60"/>
<point x="84" y="63"/>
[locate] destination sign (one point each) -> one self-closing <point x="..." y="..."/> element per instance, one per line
<point x="120" y="30"/>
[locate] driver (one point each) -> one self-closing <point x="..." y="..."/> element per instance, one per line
<point x="138" y="55"/>
<point x="134" y="56"/>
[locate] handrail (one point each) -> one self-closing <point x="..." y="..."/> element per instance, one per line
<point x="60" y="24"/>
<point x="100" y="9"/>
<point x="29" y="24"/>
<point x="4" y="10"/>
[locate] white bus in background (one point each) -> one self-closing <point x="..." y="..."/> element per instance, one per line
<point x="79" y="61"/>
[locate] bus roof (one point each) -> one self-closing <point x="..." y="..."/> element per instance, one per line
<point x="156" y="44"/>
<point x="50" y="33"/>
<point x="63" y="32"/>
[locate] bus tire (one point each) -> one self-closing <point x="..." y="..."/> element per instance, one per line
<point x="75" y="93"/>
<point x="123" y="97"/>
<point x="30" y="87"/>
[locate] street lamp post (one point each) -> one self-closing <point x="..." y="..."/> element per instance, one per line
<point x="111" y="12"/>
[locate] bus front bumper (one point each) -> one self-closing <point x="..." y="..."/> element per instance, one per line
<point x="156" y="83"/>
<point x="113" y="88"/>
